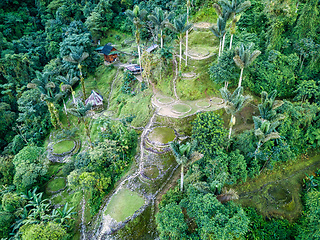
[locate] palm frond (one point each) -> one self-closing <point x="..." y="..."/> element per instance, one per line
<point x="237" y="60"/>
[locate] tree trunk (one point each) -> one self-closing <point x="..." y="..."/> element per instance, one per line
<point x="140" y="59"/>
<point x="82" y="85"/>
<point x="220" y="48"/>
<point x="161" y="38"/>
<point x="187" y="35"/>
<point x="73" y="97"/>
<point x="231" y="41"/>
<point x="240" y="80"/>
<point x="56" y="114"/>
<point x="187" y="48"/>
<point x="223" y="40"/>
<point x="180" y="52"/>
<point x="231" y="125"/>
<point x="88" y="132"/>
<point x="52" y="117"/>
<point x="181" y="180"/>
<point x="65" y="110"/>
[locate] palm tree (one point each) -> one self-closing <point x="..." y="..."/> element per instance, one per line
<point x="47" y="89"/>
<point x="180" y="26"/>
<point x="268" y="106"/>
<point x="234" y="7"/>
<point x="77" y="56"/>
<point x="187" y="33"/>
<point x="244" y="57"/>
<point x="219" y="31"/>
<point x="264" y="130"/>
<point x="137" y="17"/>
<point x="183" y="154"/>
<point x="234" y="103"/>
<point x="81" y="112"/>
<point x="160" y="18"/>
<point x="67" y="82"/>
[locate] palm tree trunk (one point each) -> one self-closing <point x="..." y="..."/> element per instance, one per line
<point x="181" y="180"/>
<point x="140" y="59"/>
<point x="53" y="119"/>
<point x="56" y="114"/>
<point x="240" y="80"/>
<point x="180" y="52"/>
<point x="187" y="48"/>
<point x="83" y="87"/>
<point x="88" y="132"/>
<point x="161" y="38"/>
<point x="231" y="41"/>
<point x="223" y="40"/>
<point x="65" y="110"/>
<point x="220" y="48"/>
<point x="231" y="125"/>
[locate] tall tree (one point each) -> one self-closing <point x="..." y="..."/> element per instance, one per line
<point x="47" y="89"/>
<point x="180" y="26"/>
<point x="219" y="31"/>
<point x="234" y="103"/>
<point x="187" y="33"/>
<point x="245" y="55"/>
<point x="160" y="18"/>
<point x="67" y="82"/>
<point x="182" y="153"/>
<point x="81" y="112"/>
<point x="77" y="56"/>
<point x="137" y="17"/>
<point x="234" y="7"/>
<point x="268" y="105"/>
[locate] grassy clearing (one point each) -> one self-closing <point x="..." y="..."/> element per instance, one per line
<point x="116" y="37"/>
<point x="124" y="105"/>
<point x="207" y="14"/>
<point x="63" y="146"/>
<point x="162" y="135"/>
<point x="100" y="81"/>
<point x="288" y="176"/>
<point x="181" y="108"/>
<point x="54" y="169"/>
<point x="56" y="184"/>
<point x="201" y="86"/>
<point x="124" y="204"/>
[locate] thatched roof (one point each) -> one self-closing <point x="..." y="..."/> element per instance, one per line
<point x="95" y="99"/>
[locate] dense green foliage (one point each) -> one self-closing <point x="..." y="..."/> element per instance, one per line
<point x="46" y="46"/>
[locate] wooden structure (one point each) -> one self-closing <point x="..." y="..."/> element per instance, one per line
<point x="134" y="68"/>
<point x="110" y="53"/>
<point x="95" y="99"/>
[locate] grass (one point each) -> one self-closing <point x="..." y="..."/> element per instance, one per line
<point x="56" y="184"/>
<point x="165" y="100"/>
<point x="287" y="176"/>
<point x="162" y="135"/>
<point x="100" y="81"/>
<point x="181" y="108"/>
<point x="63" y="146"/>
<point x="124" y="105"/>
<point x="206" y="14"/>
<point x="203" y="104"/>
<point x="54" y="169"/>
<point x="115" y="37"/>
<point x="124" y="204"/>
<point x="151" y="172"/>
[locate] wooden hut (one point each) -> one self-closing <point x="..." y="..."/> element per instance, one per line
<point x="95" y="99"/>
<point x="110" y="53"/>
